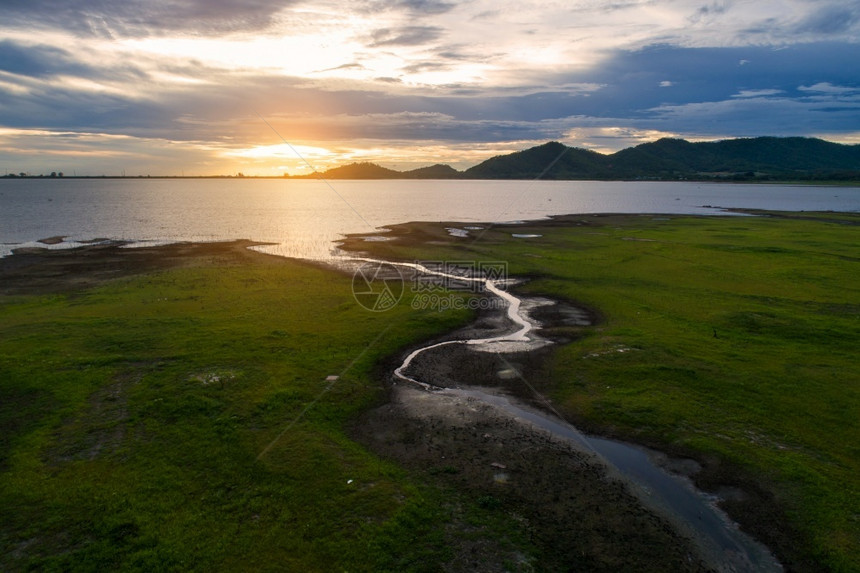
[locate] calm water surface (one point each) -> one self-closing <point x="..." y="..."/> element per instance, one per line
<point x="304" y="217"/>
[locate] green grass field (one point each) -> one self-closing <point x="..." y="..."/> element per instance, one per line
<point x="134" y="414"/>
<point x="732" y="338"/>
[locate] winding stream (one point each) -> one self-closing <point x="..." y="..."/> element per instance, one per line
<point x="691" y="511"/>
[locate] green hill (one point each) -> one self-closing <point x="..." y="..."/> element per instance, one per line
<point x="791" y="157"/>
<point x="751" y="159"/>
<point x="551" y="160"/>
<point x="438" y="171"/>
<point x="356" y="171"/>
<point x="760" y="158"/>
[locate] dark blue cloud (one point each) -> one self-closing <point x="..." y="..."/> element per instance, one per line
<point x="406" y="36"/>
<point x="832" y="19"/>
<point x="411" y="7"/>
<point x="426" y="6"/>
<point x="702" y="91"/>
<point x="708" y="11"/>
<point x="73" y="110"/>
<point x="643" y="84"/>
<point x="641" y="87"/>
<point x="39" y="61"/>
<point x="132" y="18"/>
<point x="633" y="80"/>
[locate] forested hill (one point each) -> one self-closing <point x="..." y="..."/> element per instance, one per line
<point x="756" y="159"/>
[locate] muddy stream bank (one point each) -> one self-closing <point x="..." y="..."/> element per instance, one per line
<point x="463" y="409"/>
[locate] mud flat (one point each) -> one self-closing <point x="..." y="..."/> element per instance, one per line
<point x="468" y="412"/>
<point x="35" y="270"/>
<point x="577" y="517"/>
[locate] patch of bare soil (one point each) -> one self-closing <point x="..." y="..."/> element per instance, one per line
<point x="577" y="516"/>
<point x="41" y="271"/>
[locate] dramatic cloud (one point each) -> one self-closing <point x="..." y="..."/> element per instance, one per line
<point x="406" y="36"/>
<point x="39" y="61"/>
<point x="415" y="6"/>
<point x="831" y="19"/>
<point x="111" y="19"/>
<point x="389" y="78"/>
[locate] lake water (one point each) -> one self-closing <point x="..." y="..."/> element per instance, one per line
<point x="303" y="217"/>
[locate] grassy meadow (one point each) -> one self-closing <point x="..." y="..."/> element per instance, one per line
<point x="134" y="415"/>
<point x="181" y="419"/>
<point x="732" y="339"/>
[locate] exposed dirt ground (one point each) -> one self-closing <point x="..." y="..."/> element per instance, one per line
<point x="40" y="271"/>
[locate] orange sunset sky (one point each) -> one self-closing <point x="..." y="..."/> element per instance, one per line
<point x="265" y="87"/>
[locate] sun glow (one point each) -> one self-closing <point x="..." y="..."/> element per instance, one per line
<point x="265" y="159"/>
<point x="290" y="55"/>
<point x="281" y="151"/>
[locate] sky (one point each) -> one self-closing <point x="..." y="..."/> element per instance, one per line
<point x="266" y="87"/>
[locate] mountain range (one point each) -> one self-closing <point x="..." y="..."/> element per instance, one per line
<point x="753" y="159"/>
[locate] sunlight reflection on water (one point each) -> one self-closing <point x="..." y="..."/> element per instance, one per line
<point x="304" y="217"/>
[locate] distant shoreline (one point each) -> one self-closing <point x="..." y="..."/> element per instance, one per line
<point x="793" y="183"/>
<point x="755" y="160"/>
